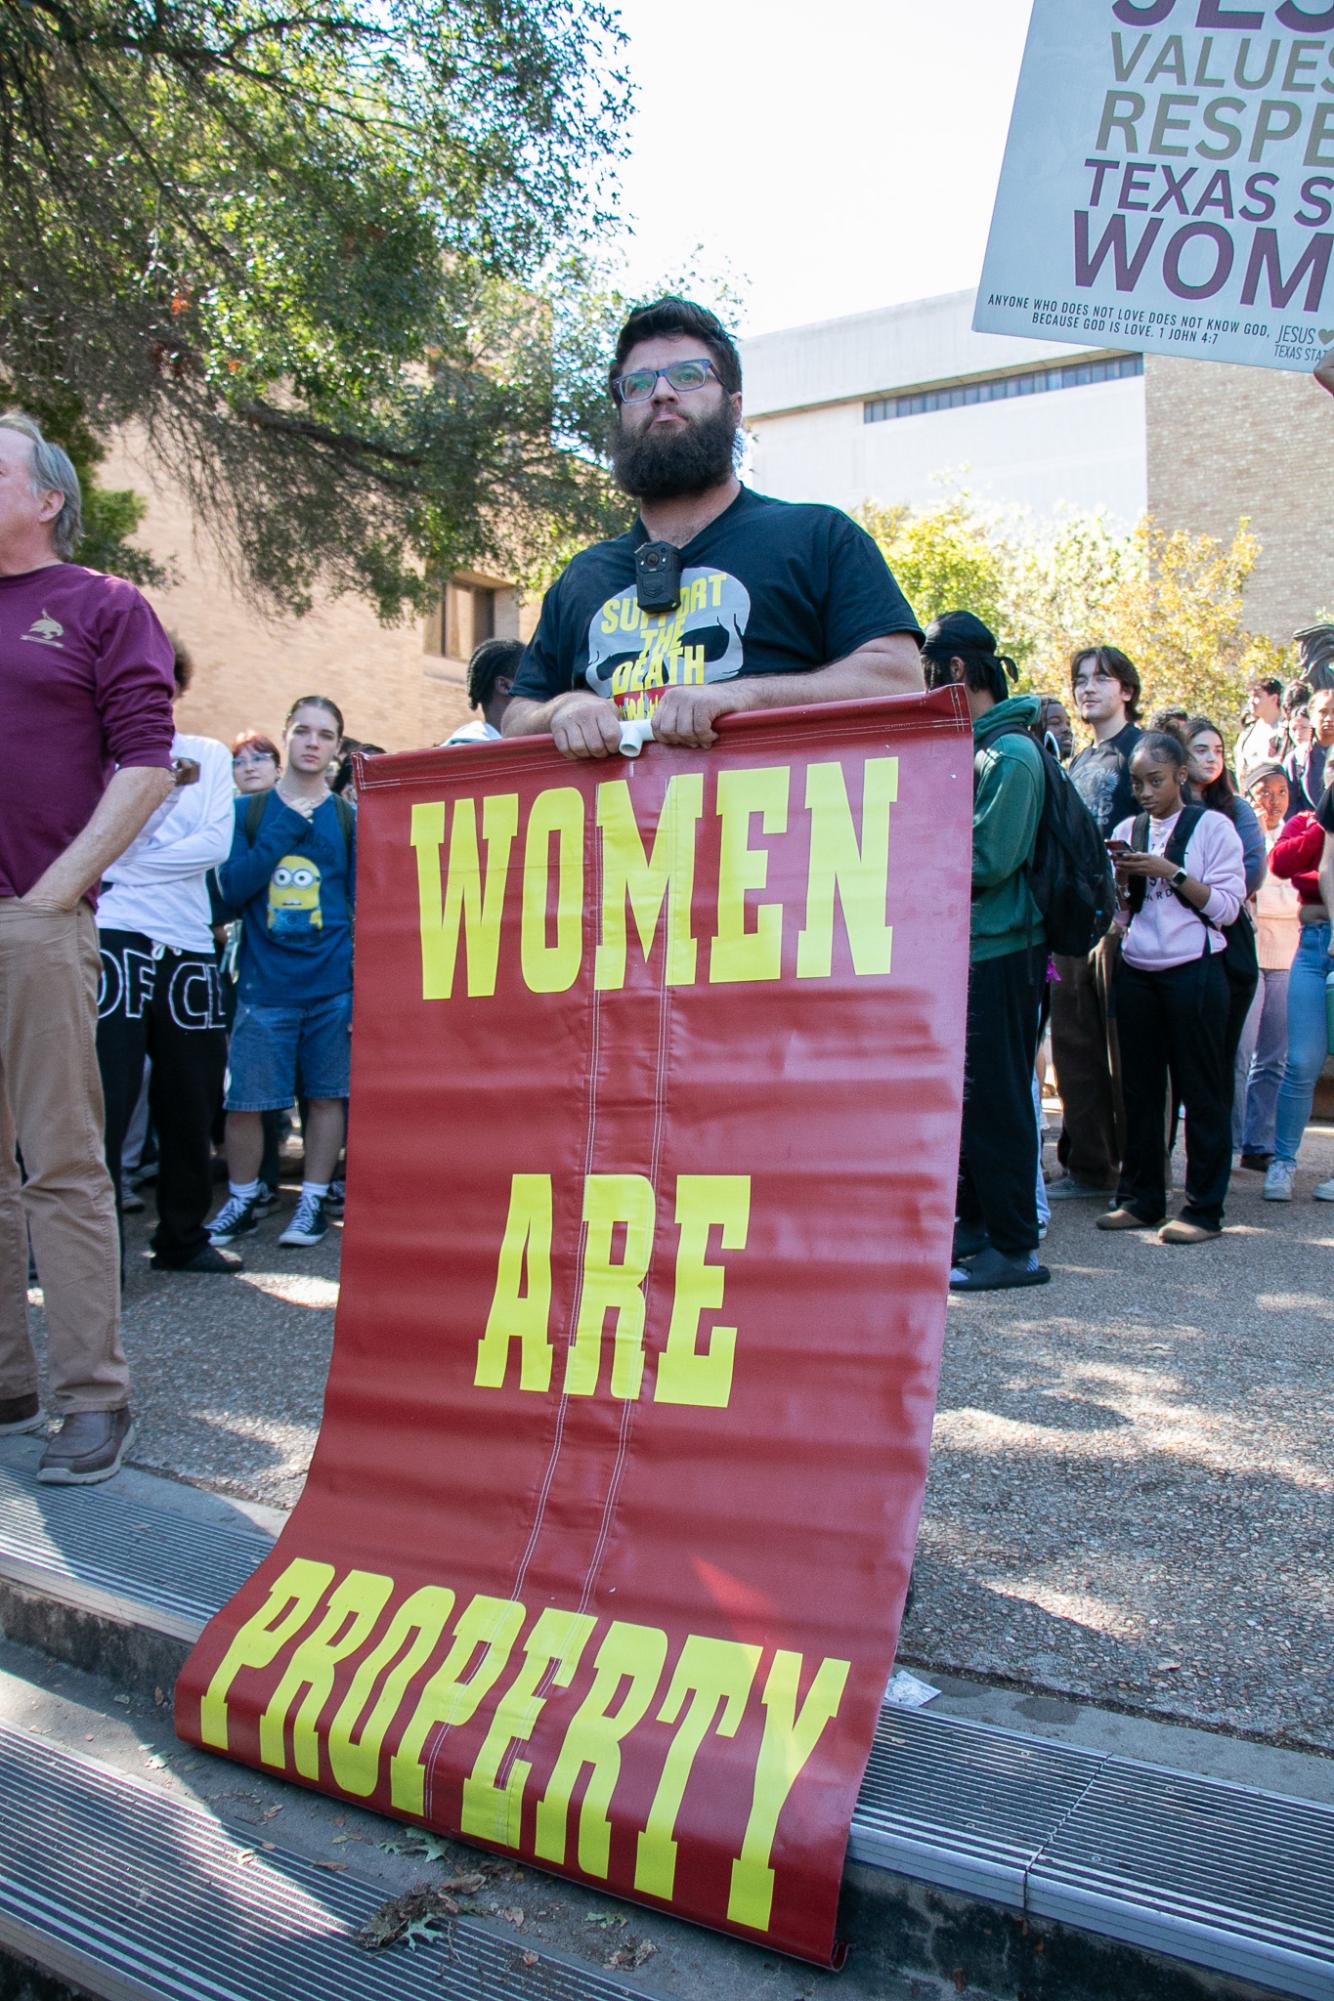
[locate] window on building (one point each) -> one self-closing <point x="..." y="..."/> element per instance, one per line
<point x="465" y="615"/>
<point x="998" y="388"/>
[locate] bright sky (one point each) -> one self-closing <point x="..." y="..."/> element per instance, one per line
<point x="836" y="154"/>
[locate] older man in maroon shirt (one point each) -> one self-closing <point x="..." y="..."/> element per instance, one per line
<point x="85" y="715"/>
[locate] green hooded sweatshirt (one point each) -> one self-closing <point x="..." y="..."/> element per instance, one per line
<point x="1008" y="781"/>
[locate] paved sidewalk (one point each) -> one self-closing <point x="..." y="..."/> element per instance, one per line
<point x="1132" y="1489"/>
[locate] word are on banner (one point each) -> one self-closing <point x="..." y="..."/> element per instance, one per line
<point x="655" y="1113"/>
<point x="1169" y="181"/>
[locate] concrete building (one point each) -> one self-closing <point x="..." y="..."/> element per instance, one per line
<point x="401" y="686"/>
<point x="905" y="404"/>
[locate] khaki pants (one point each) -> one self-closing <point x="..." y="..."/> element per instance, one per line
<point x="1087" y="1059"/>
<point x="51" y="1102"/>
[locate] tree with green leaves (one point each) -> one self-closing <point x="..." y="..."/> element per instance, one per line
<point x="299" y="244"/>
<point x="1174" y="602"/>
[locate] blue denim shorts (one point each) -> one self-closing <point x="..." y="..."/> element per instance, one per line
<point x="271" y="1046"/>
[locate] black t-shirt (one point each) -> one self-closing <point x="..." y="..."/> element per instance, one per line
<point x="1101" y="777"/>
<point x="769" y="587"/>
<point x="1324" y="812"/>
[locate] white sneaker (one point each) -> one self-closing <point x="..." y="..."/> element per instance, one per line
<point x="1278" y="1180"/>
<point x="1324" y="1190"/>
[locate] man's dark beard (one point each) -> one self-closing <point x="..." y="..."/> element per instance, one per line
<point x="659" y="463"/>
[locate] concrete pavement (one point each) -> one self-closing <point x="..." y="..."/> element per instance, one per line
<point x="1132" y="1478"/>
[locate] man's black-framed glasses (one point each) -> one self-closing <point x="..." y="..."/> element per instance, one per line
<point x="640" y="383"/>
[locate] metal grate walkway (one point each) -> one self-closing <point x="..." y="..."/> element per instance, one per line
<point x="131" y="1895"/>
<point x="1219" y="1875"/>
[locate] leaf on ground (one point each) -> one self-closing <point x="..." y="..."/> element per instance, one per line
<point x="606" y="1919"/>
<point x="513" y="1914"/>
<point x="529" y="1958"/>
<point x="464" y="1886"/>
<point x="425" y="1929"/>
<point x="333" y="1868"/>
<point x="420" y="1912"/>
<point x="630" y="1956"/>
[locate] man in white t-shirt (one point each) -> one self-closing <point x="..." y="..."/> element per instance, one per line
<point x="491" y="673"/>
<point x="160" y="996"/>
<point x="1262" y="740"/>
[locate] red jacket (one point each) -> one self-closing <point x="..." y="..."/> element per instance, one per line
<point x="1295" y="856"/>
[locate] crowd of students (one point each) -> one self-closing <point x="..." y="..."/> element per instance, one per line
<point x="1204" y="1001"/>
<point x="244" y="884"/>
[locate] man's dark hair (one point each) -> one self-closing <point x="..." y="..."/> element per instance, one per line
<point x="1270" y="685"/>
<point x="490" y="660"/>
<point x="1114" y="662"/>
<point x="1295" y="696"/>
<point x="182" y="666"/>
<point x="352" y="747"/>
<point x="680" y="316"/>
<point x="961" y="635"/>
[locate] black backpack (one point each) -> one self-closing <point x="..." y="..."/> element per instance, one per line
<point x="1070" y="873"/>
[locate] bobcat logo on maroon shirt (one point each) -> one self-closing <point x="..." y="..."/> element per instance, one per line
<point x="45" y="631"/>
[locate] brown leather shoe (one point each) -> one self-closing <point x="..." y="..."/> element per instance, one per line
<point x="21" y="1413"/>
<point x="1182" y="1232"/>
<point x="1122" y="1219"/>
<point x="88" y="1447"/>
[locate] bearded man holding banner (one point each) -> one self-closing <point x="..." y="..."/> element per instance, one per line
<point x="716" y="596"/>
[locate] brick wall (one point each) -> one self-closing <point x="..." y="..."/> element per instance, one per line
<point x="1224" y="442"/>
<point x="249" y="668"/>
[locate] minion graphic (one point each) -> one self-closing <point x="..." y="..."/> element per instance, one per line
<point x="294" y="897"/>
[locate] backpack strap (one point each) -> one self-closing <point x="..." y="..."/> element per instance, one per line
<point x="254" y="813"/>
<point x="347" y="821"/>
<point x="1175" y="851"/>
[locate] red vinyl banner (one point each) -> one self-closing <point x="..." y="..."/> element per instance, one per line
<point x="656" y="1085"/>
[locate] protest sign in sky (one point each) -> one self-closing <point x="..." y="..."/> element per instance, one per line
<point x="655" y="1124"/>
<point x="1169" y="181"/>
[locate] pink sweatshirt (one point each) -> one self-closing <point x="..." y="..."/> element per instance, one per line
<point x="1167" y="932"/>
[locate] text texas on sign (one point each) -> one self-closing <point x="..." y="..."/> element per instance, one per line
<point x="656" y="1088"/>
<point x="1169" y="181"/>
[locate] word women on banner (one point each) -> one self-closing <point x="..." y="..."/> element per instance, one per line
<point x="470" y="862"/>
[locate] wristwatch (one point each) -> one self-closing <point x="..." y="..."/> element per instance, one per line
<point x="1180" y="879"/>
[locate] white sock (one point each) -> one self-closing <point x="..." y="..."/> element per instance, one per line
<point x="319" y="1189"/>
<point x="245" y="1191"/>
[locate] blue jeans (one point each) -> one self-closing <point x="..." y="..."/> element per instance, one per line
<point x="1307" y="1045"/>
<point x="272" y="1046"/>
<point x="1260" y="1054"/>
